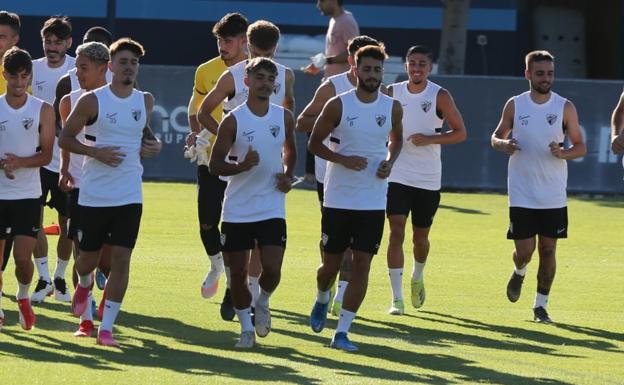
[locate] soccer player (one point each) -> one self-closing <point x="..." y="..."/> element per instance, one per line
<point x="331" y="87"/>
<point x="230" y="33"/>
<point x="262" y="39"/>
<point x="415" y="181"/>
<point x="115" y="119"/>
<point x="359" y="123"/>
<point x="258" y="137"/>
<point x="617" y="123"/>
<point x="91" y="69"/>
<point x="9" y="36"/>
<point x="56" y="37"/>
<point x="538" y="122"/>
<point x="26" y="137"/>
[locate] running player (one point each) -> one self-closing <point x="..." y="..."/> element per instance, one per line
<point x="539" y="121"/>
<point x="331" y="87"/>
<point x="230" y="33"/>
<point x="262" y="39"/>
<point x="91" y="64"/>
<point x="360" y="123"/>
<point x="415" y="181"/>
<point x="110" y="195"/>
<point x="258" y="137"/>
<point x="26" y="137"/>
<point x="56" y="37"/>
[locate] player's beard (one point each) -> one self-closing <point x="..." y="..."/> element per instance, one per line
<point x="541" y="88"/>
<point x="367" y="87"/>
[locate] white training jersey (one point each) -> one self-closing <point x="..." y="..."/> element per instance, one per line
<point x="536" y="179"/>
<point x="119" y="123"/>
<point x="341" y="85"/>
<point x="19" y="135"/>
<point x="363" y="131"/>
<point x="44" y="83"/>
<point x="76" y="160"/>
<point x="75" y="84"/>
<point x="252" y="196"/>
<point x="241" y="91"/>
<point x="418" y="166"/>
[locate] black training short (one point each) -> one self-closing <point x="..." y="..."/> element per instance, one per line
<point x="360" y="230"/>
<point x="422" y="203"/>
<point x="49" y="184"/>
<point x="116" y="226"/>
<point x="244" y="236"/>
<point x="526" y="223"/>
<point x="320" y="192"/>
<point x="19" y="217"/>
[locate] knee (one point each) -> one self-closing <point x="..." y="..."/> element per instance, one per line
<point x="420" y="241"/>
<point x="397" y="232"/>
<point x="524" y="253"/>
<point x="360" y="265"/>
<point x="547" y="252"/>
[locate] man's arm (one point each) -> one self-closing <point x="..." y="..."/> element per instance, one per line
<point x="308" y="116"/>
<point x="150" y="144"/>
<point x="289" y="93"/>
<point x="573" y="131"/>
<point x="449" y="112"/>
<point x="617" y="123"/>
<point x="225" y="139"/>
<point x="395" y="143"/>
<point x="199" y="92"/>
<point x="63" y="87"/>
<point x="223" y="88"/>
<point x="327" y="121"/>
<point x="289" y="157"/>
<point x="87" y="110"/>
<point x="499" y="139"/>
<point x="66" y="180"/>
<point x="47" y="132"/>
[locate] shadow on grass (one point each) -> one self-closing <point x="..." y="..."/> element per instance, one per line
<point x="609" y="201"/>
<point x="593" y="332"/>
<point x="462" y="369"/>
<point x="462" y="210"/>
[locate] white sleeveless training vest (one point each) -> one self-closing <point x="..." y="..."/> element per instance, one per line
<point x="536" y="179"/>
<point x="341" y="85"/>
<point x="363" y="131"/>
<point x="418" y="166"/>
<point x="241" y="91"/>
<point x="252" y="195"/>
<point x="119" y="123"/>
<point x="44" y="83"/>
<point x="76" y="160"/>
<point x="19" y="135"/>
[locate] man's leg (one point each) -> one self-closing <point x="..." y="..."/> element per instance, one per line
<point x="396" y="260"/>
<point x="547" y="248"/>
<point x="343" y="282"/>
<point x="420" y="243"/>
<point x="64" y="252"/>
<point x="241" y="297"/>
<point x="255" y="270"/>
<point x="22" y="251"/>
<point x="522" y="254"/>
<point x="2" y="242"/>
<point x="44" y="286"/>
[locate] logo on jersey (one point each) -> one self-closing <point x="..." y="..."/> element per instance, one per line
<point x="248" y="135"/>
<point x="275" y="130"/>
<point x="112" y="118"/>
<point x="27" y="123"/>
<point x="524" y="119"/>
<point x="3" y="125"/>
<point x="136" y="115"/>
<point x="351" y="119"/>
<point x="277" y="88"/>
<point x="551" y="119"/>
<point x="380" y="119"/>
<point x="39" y="84"/>
<point x="426" y="105"/>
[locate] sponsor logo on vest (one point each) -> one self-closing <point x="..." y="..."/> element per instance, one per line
<point x="3" y="125"/>
<point x="39" y="84"/>
<point x="248" y="135"/>
<point x="551" y="119"/>
<point x="351" y="119"/>
<point x="524" y="119"/>
<point x="112" y="118"/>
<point x="380" y="119"/>
<point x="27" y="122"/>
<point x="275" y="130"/>
<point x="426" y="105"/>
<point x="136" y="115"/>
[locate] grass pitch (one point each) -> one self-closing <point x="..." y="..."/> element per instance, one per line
<point x="467" y="332"/>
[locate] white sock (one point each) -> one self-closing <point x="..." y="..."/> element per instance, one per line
<point x="263" y="297"/>
<point x="22" y="291"/>
<point x="323" y="296"/>
<point x="254" y="289"/>
<point x="61" y="266"/>
<point x="216" y="262"/>
<point x="520" y="272"/>
<point x="42" y="268"/>
<point x="345" y="320"/>
<point x="396" y="282"/>
<point x="111" y="309"/>
<point x="244" y="317"/>
<point x="85" y="281"/>
<point x="342" y="287"/>
<point x="228" y="277"/>
<point x="540" y="300"/>
<point x="87" y="315"/>
<point x="417" y="273"/>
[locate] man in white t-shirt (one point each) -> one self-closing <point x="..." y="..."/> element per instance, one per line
<point x="538" y="122"/>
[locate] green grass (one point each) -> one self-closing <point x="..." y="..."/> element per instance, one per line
<point x="467" y="332"/>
